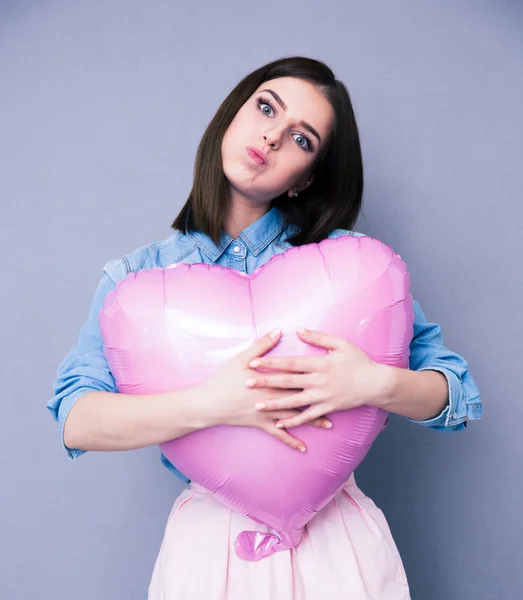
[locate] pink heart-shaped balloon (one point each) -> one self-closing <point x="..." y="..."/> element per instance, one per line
<point x="170" y="329"/>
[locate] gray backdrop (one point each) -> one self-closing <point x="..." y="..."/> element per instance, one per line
<point x="102" y="105"/>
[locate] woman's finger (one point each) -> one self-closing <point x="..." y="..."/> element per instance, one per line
<point x="298" y="400"/>
<point x="298" y="364"/>
<point x="262" y="346"/>
<point x="280" y="380"/>
<point x="320" y="422"/>
<point x="285" y="437"/>
<point x="280" y="415"/>
<point x="310" y="414"/>
<point x="323" y="340"/>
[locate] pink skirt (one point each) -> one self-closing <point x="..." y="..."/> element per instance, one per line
<point x="347" y="552"/>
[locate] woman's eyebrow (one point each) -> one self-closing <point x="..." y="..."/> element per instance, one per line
<point x="284" y="106"/>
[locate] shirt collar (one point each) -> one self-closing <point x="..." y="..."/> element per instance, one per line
<point x="256" y="236"/>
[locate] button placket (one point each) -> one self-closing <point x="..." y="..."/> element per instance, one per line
<point x="237" y="258"/>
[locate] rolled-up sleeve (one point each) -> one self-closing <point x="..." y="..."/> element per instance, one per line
<point x="85" y="369"/>
<point x="427" y="352"/>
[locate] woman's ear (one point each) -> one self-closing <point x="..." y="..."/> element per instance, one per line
<point x="296" y="189"/>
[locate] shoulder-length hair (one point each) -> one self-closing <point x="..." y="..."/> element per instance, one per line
<point x="333" y="200"/>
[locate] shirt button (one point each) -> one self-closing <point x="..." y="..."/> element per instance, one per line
<point x="454" y="415"/>
<point x="236" y="248"/>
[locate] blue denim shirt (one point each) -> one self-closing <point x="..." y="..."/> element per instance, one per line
<point x="84" y="369"/>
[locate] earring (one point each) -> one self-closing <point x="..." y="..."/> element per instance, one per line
<point x="296" y="193"/>
<point x="306" y="184"/>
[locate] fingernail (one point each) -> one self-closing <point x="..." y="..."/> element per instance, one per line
<point x="326" y="424"/>
<point x="280" y="425"/>
<point x="301" y="448"/>
<point x="261" y="406"/>
<point x="254" y="364"/>
<point x="250" y="382"/>
<point x="275" y="333"/>
<point x="302" y="331"/>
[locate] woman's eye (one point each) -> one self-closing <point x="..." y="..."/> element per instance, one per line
<point x="302" y="141"/>
<point x="265" y="107"/>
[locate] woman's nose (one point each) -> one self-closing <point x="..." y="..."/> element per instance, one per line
<point x="272" y="138"/>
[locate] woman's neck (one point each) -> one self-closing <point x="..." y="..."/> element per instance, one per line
<point x="241" y="215"/>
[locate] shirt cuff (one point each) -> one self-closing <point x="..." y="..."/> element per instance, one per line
<point x="450" y="418"/>
<point x="63" y="412"/>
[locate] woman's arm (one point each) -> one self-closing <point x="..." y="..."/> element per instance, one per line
<point x="109" y="421"/>
<point x="92" y="415"/>
<point x="84" y="369"/>
<point x="419" y="393"/>
<point x="413" y="394"/>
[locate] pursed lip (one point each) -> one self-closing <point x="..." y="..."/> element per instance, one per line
<point x="258" y="153"/>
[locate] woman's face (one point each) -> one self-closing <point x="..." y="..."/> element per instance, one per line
<point x="283" y="126"/>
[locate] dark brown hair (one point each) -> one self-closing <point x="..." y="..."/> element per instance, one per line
<point x="333" y="200"/>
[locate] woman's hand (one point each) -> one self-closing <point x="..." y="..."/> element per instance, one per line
<point x="230" y="402"/>
<point x="344" y="378"/>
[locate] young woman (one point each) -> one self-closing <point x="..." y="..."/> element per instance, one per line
<point x="278" y="166"/>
